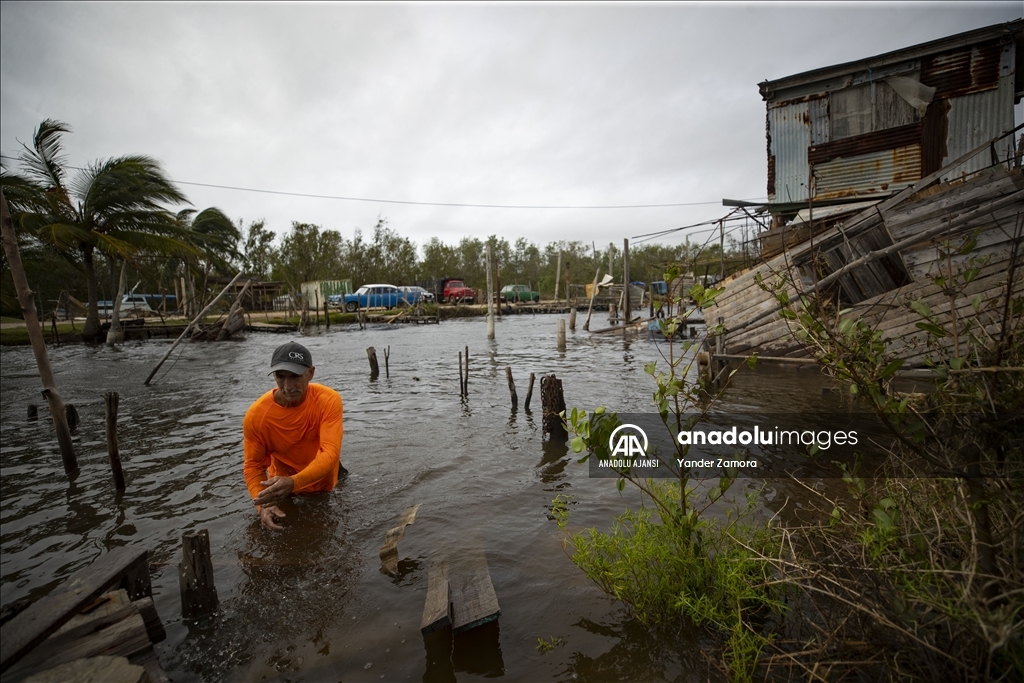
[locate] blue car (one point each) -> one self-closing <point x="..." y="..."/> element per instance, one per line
<point x="373" y="296"/>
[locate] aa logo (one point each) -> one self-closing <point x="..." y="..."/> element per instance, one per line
<point x="624" y="442"/>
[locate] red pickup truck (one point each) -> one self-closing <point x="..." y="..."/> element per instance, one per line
<point x="456" y="291"/>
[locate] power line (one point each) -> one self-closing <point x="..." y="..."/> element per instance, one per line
<point x="418" y="203"/>
<point x="452" y="204"/>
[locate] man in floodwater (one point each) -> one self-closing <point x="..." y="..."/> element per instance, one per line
<point x="292" y="435"/>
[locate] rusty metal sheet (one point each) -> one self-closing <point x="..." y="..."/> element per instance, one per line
<point x="881" y="172"/>
<point x="878" y="141"/>
<point x="965" y="70"/>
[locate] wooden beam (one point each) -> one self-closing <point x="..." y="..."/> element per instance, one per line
<point x="437" y="607"/>
<point x="473" y="599"/>
<point x="49" y="613"/>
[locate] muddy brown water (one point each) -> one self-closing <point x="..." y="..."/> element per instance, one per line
<point x="310" y="603"/>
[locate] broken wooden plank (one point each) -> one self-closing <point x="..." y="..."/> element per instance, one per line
<point x="473" y="599"/>
<point x="46" y="615"/>
<point x="122" y="633"/>
<point x="437" y="606"/>
<point x="389" y="551"/>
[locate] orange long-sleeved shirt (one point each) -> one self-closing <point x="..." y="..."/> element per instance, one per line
<point x="303" y="442"/>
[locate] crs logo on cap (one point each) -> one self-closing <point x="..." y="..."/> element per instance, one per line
<point x="295" y="355"/>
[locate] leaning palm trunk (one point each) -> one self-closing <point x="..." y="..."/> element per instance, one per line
<point x="115" y="334"/>
<point x="35" y="334"/>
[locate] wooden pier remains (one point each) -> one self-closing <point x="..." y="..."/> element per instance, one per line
<point x="106" y="610"/>
<point x="461" y="595"/>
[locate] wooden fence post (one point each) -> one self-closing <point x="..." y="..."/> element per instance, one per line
<point x="371" y="354"/>
<point x="529" y="393"/>
<point x="195" y="576"/>
<point x="511" y="387"/>
<point x="110" y="401"/>
<point x="553" y="401"/>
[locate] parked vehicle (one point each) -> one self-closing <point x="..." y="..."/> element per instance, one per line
<point x="415" y="295"/>
<point x="457" y="291"/>
<point x="130" y="303"/>
<point x="373" y="296"/>
<point x="517" y="293"/>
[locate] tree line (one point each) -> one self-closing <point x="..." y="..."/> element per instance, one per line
<point x="77" y="230"/>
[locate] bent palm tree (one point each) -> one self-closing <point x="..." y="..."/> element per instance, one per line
<point x="114" y="206"/>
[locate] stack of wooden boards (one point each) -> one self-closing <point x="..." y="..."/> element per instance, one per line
<point x="100" y="625"/>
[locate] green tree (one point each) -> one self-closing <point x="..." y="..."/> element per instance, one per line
<point x="439" y="260"/>
<point x="308" y="253"/>
<point x="258" y="251"/>
<point x="115" y="206"/>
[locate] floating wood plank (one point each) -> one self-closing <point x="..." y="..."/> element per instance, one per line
<point x="389" y="551"/>
<point x="473" y="599"/>
<point x="49" y="613"/>
<point x="437" y="607"/>
<point x="122" y="633"/>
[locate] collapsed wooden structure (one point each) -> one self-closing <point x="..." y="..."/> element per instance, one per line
<point x="886" y="178"/>
<point x="104" y="611"/>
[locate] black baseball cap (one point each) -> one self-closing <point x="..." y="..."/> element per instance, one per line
<point x="293" y="357"/>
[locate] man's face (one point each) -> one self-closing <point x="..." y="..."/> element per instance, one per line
<point x="291" y="388"/>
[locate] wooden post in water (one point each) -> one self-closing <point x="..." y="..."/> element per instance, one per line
<point x="553" y="401"/>
<point x="572" y="318"/>
<point x="529" y="393"/>
<point x="627" y="306"/>
<point x="33" y="412"/>
<point x="613" y="312"/>
<point x="195" y="576"/>
<point x="71" y="416"/>
<point x="511" y="387"/>
<point x="593" y="293"/>
<point x="327" y="315"/>
<point x="560" y="334"/>
<point x="465" y="379"/>
<point x="371" y="354"/>
<point x="110" y="401"/>
<point x="490" y="293"/>
<point x="35" y="335"/>
<point x="462" y="381"/>
<point x="558" y="270"/>
<point x="387" y="355"/>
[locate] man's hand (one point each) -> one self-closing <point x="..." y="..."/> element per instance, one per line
<point x="277" y="491"/>
<point x="269" y="515"/>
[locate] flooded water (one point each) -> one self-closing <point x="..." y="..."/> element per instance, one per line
<point x="310" y="603"/>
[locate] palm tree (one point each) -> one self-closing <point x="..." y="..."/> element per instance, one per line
<point x="215" y="239"/>
<point x="116" y="206"/>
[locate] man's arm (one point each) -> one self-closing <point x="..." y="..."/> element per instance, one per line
<point x="326" y="461"/>
<point x="257" y="457"/>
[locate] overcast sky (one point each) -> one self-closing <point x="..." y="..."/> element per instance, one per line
<point x="574" y="105"/>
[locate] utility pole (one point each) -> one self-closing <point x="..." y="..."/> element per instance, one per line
<point x="625" y="281"/>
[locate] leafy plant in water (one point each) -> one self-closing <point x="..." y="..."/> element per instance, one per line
<point x="675" y="562"/>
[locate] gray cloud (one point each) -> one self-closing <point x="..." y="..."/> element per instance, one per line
<point x="496" y="104"/>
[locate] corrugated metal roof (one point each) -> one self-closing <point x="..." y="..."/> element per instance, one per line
<point x="873" y="173"/>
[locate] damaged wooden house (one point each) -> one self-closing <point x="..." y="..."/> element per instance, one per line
<point x="874" y="166"/>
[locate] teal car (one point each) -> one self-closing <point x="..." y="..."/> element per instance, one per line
<point x="517" y="293"/>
